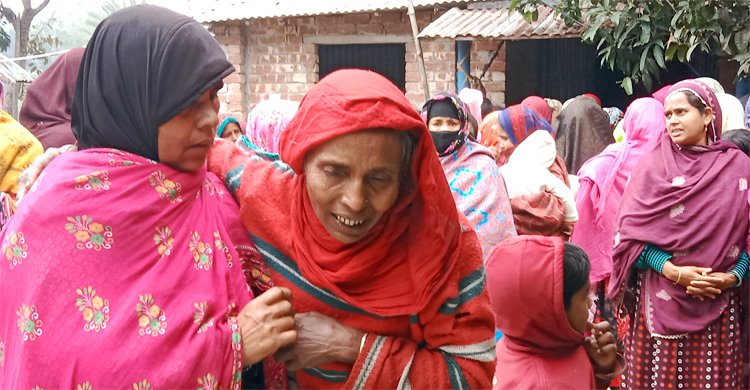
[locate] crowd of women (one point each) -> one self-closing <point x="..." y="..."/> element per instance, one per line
<point x="352" y="241"/>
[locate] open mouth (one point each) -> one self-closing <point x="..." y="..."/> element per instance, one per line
<point x="348" y="222"/>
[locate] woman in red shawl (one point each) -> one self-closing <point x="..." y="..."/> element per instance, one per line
<point x="361" y="225"/>
<point x="47" y="105"/>
<point x="680" y="251"/>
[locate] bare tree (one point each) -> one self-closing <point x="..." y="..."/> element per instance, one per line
<point x="22" y="27"/>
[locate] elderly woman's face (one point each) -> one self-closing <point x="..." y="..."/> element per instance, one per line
<point x="353" y="180"/>
<point x="184" y="140"/>
<point x="232" y="132"/>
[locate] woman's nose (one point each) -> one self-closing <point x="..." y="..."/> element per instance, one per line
<point x="354" y="196"/>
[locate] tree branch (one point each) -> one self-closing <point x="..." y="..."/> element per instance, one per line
<point x="8" y="14"/>
<point x="31" y="10"/>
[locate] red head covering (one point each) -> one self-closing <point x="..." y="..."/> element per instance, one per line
<point x="46" y="108"/>
<point x="690" y="201"/>
<point x="540" y="106"/>
<point x="593" y="96"/>
<point x="411" y="252"/>
<point x="662" y="93"/>
<point x="540" y="349"/>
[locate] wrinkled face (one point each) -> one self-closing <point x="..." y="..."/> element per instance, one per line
<point x="578" y="312"/>
<point x="443" y="123"/>
<point x="686" y="125"/>
<point x="352" y="180"/>
<point x="232" y="132"/>
<point x="184" y="140"/>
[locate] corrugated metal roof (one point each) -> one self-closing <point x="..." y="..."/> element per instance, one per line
<point x="497" y="23"/>
<point x="219" y="11"/>
<point x="11" y="72"/>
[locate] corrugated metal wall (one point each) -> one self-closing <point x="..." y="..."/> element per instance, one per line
<point x="565" y="68"/>
<point x="387" y="59"/>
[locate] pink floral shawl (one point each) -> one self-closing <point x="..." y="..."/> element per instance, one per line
<point x="479" y="190"/>
<point x="119" y="272"/>
<point x="603" y="179"/>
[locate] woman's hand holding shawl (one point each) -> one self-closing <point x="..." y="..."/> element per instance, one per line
<point x="321" y="340"/>
<point x="29" y="176"/>
<point x="266" y="324"/>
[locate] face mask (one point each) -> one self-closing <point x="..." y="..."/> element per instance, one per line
<point x="444" y="139"/>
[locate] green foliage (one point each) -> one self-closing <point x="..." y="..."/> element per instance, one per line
<point x="42" y="39"/>
<point x="638" y="37"/>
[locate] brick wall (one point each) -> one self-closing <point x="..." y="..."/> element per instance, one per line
<point x="494" y="78"/>
<point x="274" y="57"/>
<point x="230" y="37"/>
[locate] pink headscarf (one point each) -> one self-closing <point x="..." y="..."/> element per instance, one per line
<point x="267" y="121"/>
<point x="137" y="268"/>
<point x="603" y="180"/>
<point x="473" y="99"/>
<point x="540" y="106"/>
<point x="690" y="201"/>
<point x="662" y="93"/>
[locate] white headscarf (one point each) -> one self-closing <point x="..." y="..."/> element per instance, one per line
<point x="732" y="112"/>
<point x="527" y="172"/>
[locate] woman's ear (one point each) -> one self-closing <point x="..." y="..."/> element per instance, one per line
<point x="708" y="116"/>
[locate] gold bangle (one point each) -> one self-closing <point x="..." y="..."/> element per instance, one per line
<point x="679" y="275"/>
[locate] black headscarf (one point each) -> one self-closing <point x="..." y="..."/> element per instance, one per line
<point x="142" y="67"/>
<point x="583" y="131"/>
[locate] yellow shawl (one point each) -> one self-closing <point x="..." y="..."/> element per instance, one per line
<point x="18" y="149"/>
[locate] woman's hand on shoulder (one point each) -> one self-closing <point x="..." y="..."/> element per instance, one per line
<point x="266" y="324"/>
<point x="29" y="176"/>
<point x="321" y="340"/>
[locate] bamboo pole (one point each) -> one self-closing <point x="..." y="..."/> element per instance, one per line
<point x="420" y="58"/>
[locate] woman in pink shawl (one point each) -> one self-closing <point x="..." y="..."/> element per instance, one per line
<point x="46" y="107"/>
<point x="603" y="180"/>
<point x="267" y="122"/>
<point x="680" y="252"/>
<point x="475" y="180"/>
<point x="123" y="266"/>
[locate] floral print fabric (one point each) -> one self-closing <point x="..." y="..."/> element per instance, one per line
<point x="132" y="280"/>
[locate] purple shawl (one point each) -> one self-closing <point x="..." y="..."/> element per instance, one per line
<point x="691" y="202"/>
